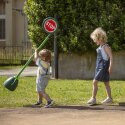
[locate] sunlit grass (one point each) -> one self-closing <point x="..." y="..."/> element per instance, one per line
<point x="63" y="92"/>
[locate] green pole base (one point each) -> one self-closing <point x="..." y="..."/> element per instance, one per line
<point x="11" y="83"/>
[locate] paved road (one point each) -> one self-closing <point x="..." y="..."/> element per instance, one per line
<point x="29" y="71"/>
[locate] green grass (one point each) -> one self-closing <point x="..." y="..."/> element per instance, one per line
<point x="63" y="92"/>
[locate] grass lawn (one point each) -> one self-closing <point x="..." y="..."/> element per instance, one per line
<point x="63" y="92"/>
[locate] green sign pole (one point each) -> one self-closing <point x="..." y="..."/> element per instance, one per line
<point x="30" y="59"/>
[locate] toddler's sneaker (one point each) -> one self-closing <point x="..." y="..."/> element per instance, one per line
<point x="92" y="101"/>
<point x="49" y="104"/>
<point x="107" y="101"/>
<point x="38" y="103"/>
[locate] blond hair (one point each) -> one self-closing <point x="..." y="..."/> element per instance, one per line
<point x="45" y="54"/>
<point x="99" y="34"/>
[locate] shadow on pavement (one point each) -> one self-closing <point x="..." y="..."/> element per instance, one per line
<point x="94" y="107"/>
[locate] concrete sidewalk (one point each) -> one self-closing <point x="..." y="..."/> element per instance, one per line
<point x="61" y="116"/>
<point x="28" y="71"/>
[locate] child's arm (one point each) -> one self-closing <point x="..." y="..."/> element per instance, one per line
<point x="36" y="54"/>
<point x="109" y="53"/>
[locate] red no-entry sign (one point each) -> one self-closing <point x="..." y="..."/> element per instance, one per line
<point x="50" y="25"/>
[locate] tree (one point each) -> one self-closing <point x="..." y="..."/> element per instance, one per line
<point x="77" y="19"/>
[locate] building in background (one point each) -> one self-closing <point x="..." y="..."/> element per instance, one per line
<point x="14" y="44"/>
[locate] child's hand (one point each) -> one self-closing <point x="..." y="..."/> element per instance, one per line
<point x="36" y="50"/>
<point x="34" y="47"/>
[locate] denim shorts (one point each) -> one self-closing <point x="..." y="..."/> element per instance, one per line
<point x="41" y="83"/>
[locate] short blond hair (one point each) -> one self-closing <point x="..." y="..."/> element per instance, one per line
<point x="46" y="54"/>
<point x="99" y="34"/>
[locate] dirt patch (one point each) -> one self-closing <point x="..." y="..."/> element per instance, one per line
<point x="63" y="115"/>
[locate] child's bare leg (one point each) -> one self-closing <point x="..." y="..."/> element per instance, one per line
<point x="48" y="99"/>
<point x="92" y="100"/>
<point x="45" y="95"/>
<point x="95" y="88"/>
<point x="40" y="97"/>
<point x="108" y="89"/>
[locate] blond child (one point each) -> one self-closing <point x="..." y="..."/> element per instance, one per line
<point x="42" y="60"/>
<point x="103" y="65"/>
